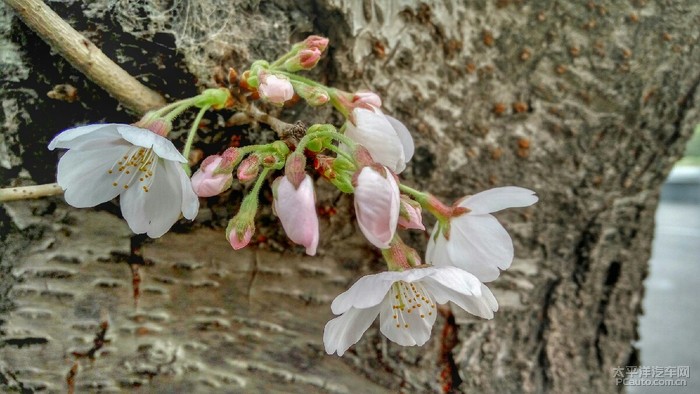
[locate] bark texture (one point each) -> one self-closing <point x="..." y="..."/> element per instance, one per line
<point x="586" y="102"/>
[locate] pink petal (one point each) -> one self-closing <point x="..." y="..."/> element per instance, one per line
<point x="377" y="206"/>
<point x="296" y="209"/>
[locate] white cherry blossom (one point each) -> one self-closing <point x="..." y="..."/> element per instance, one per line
<point x="108" y="160"/>
<point x="477" y="242"/>
<point x="406" y="304"/>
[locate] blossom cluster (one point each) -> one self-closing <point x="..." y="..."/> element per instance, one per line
<point x="467" y="246"/>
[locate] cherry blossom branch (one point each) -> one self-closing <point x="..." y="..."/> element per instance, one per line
<point x="27" y="192"/>
<point x="85" y="56"/>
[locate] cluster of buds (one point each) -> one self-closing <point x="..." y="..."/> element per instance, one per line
<point x="364" y="157"/>
<point x="277" y="82"/>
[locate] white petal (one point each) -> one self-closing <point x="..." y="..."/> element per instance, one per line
<point x="481" y="304"/>
<point x="190" y="201"/>
<point x="494" y="200"/>
<point x="164" y="199"/>
<point x="373" y="131"/>
<point x="456" y="279"/>
<point x="155" y="211"/>
<point x="479" y="245"/>
<point x="367" y="292"/>
<point x="133" y="207"/>
<point x="84" y="175"/>
<point x="345" y="330"/>
<point x="405" y="137"/>
<point x="436" y="251"/>
<point x="408" y="329"/>
<point x="73" y="138"/>
<point x="147" y="139"/>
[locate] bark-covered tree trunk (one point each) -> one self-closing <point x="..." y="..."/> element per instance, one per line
<point x="586" y="102"/>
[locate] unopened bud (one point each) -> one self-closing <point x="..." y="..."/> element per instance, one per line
<point x="308" y="58"/>
<point x="206" y="182"/>
<point x="295" y="168"/>
<point x="410" y="214"/>
<point x="249" y="168"/>
<point x="275" y="90"/>
<point x="238" y="233"/>
<point x="313" y="95"/>
<point x="317" y="42"/>
<point x="305" y="59"/>
<point x="229" y="159"/>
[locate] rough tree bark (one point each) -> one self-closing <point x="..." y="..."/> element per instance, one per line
<point x="587" y="102"/>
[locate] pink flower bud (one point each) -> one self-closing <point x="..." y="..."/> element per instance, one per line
<point x="249" y="168"/>
<point x="377" y="204"/>
<point x="365" y="97"/>
<point x="313" y="95"/>
<point x="240" y="241"/>
<point x="296" y="208"/>
<point x="305" y="59"/>
<point x="275" y="90"/>
<point x="316" y="42"/>
<point x="295" y="167"/>
<point x="309" y="57"/>
<point x="206" y="182"/>
<point x="410" y="216"/>
<point x="229" y="159"/>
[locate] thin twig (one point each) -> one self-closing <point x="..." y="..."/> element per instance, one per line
<point x="290" y="133"/>
<point x="27" y="192"/>
<point x="85" y="56"/>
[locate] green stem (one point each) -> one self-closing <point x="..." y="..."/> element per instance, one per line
<point x="417" y="194"/>
<point x="423" y="199"/>
<point x="307" y="81"/>
<point x="190" y="137"/>
<point x="177" y="107"/>
<point x="333" y="134"/>
<point x="252" y="148"/>
<point x="170" y="116"/>
<point x="283" y="59"/>
<point x="258" y="183"/>
<point x="340" y="152"/>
